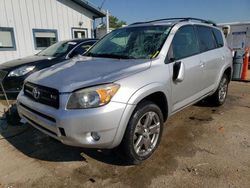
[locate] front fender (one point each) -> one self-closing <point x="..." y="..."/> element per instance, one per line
<point x="148" y="90"/>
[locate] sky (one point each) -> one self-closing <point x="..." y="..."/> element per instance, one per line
<point x="220" y="11"/>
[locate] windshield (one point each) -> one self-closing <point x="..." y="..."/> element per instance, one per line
<point x="143" y="42"/>
<point x="57" y="50"/>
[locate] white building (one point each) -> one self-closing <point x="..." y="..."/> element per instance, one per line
<point x="237" y="34"/>
<point x="27" y="26"/>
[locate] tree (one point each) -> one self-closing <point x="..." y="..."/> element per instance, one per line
<point x="114" y="22"/>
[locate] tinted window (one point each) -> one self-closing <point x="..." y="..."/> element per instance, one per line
<point x="185" y="43"/>
<point x="206" y="37"/>
<point x="218" y="37"/>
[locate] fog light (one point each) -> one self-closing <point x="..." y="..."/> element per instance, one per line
<point x="95" y="136"/>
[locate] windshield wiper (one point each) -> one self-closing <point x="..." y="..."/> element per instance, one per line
<point x="116" y="56"/>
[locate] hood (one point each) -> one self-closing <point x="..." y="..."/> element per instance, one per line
<point x="87" y="71"/>
<point x="23" y="61"/>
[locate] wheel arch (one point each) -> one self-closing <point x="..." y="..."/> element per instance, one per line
<point x="156" y="93"/>
<point x="153" y="92"/>
<point x="228" y="73"/>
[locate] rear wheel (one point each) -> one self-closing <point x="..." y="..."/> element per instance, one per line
<point x="219" y="97"/>
<point x="143" y="132"/>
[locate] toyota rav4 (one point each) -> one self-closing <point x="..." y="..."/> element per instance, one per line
<point x="125" y="87"/>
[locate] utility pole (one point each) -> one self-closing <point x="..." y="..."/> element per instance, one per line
<point x="107" y="17"/>
<point x="107" y="21"/>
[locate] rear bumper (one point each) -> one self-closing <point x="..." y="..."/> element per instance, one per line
<point x="74" y="127"/>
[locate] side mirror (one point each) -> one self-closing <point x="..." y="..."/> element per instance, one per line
<point x="178" y="71"/>
<point x="169" y="60"/>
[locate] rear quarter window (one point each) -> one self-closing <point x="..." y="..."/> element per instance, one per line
<point x="206" y="38"/>
<point x="218" y="37"/>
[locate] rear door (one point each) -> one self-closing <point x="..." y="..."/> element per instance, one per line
<point x="211" y="56"/>
<point x="185" y="50"/>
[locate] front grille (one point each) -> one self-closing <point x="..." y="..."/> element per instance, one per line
<point x="42" y="94"/>
<point x="2" y="75"/>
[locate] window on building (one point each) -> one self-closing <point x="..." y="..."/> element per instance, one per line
<point x="7" y="39"/>
<point x="79" y="33"/>
<point x="44" y="38"/>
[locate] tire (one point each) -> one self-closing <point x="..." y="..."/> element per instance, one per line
<point x="143" y="133"/>
<point x="220" y="95"/>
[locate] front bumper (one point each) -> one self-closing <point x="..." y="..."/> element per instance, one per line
<point x="12" y="86"/>
<point x="74" y="127"/>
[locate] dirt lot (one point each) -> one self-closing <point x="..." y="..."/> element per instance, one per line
<point x="201" y="147"/>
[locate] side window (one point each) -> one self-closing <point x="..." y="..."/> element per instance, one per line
<point x="218" y="37"/>
<point x="185" y="43"/>
<point x="81" y="49"/>
<point x="206" y="37"/>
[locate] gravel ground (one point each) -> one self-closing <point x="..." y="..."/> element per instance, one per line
<point x="201" y="147"/>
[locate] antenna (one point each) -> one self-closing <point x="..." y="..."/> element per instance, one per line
<point x="102" y="4"/>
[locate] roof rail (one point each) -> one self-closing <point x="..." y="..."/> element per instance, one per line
<point x="202" y="21"/>
<point x="165" y="19"/>
<point x="178" y="20"/>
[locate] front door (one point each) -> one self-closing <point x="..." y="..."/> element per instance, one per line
<point x="185" y="50"/>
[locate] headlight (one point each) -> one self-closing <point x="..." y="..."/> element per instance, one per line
<point x="21" y="71"/>
<point x="92" y="97"/>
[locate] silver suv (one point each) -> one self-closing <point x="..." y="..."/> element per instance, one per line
<point x="127" y="85"/>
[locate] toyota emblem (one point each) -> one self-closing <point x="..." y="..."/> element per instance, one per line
<point x="36" y="93"/>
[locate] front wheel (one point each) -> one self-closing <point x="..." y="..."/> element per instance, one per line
<point x="219" y="97"/>
<point x="143" y="132"/>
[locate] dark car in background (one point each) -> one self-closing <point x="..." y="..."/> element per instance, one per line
<point x="13" y="73"/>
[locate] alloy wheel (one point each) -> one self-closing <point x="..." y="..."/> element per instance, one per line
<point x="223" y="90"/>
<point x="146" y="133"/>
